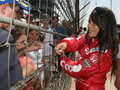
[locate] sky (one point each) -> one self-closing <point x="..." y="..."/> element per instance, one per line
<point x="114" y="6"/>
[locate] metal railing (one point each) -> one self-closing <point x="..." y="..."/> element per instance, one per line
<point x="58" y="81"/>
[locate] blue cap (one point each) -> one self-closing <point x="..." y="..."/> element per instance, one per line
<point x="22" y="4"/>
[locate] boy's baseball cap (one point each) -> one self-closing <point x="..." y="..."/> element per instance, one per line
<point x="45" y="16"/>
<point x="22" y="4"/>
<point x="37" y="20"/>
<point x="29" y="15"/>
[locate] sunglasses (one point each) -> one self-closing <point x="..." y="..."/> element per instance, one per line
<point x="101" y="11"/>
<point x="45" y="19"/>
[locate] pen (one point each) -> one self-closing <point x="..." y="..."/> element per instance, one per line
<point x="54" y="48"/>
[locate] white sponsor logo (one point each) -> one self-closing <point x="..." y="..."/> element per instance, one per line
<point x="87" y="50"/>
<point x="75" y="68"/>
<point x="106" y="51"/>
<point x="94" y="58"/>
<point x="68" y="67"/>
<point x="69" y="38"/>
<point x="79" y="37"/>
<point x="79" y="56"/>
<point x="62" y="63"/>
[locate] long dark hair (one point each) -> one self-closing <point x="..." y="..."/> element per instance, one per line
<point x="107" y="35"/>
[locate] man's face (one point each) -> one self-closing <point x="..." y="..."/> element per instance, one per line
<point x="7" y="10"/>
<point x="31" y="20"/>
<point x="55" y="21"/>
<point x="19" y="15"/>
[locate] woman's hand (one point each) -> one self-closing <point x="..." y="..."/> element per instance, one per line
<point x="61" y="47"/>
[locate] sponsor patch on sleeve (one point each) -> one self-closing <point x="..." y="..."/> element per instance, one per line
<point x="87" y="63"/>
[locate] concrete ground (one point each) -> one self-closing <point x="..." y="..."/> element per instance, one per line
<point x="109" y="85"/>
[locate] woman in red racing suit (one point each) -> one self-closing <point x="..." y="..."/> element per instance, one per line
<point x="97" y="51"/>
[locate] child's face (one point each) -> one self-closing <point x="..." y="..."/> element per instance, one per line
<point x="33" y="36"/>
<point x="45" y="21"/>
<point x="20" y="42"/>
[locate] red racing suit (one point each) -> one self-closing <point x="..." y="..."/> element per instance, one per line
<point x="89" y="71"/>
